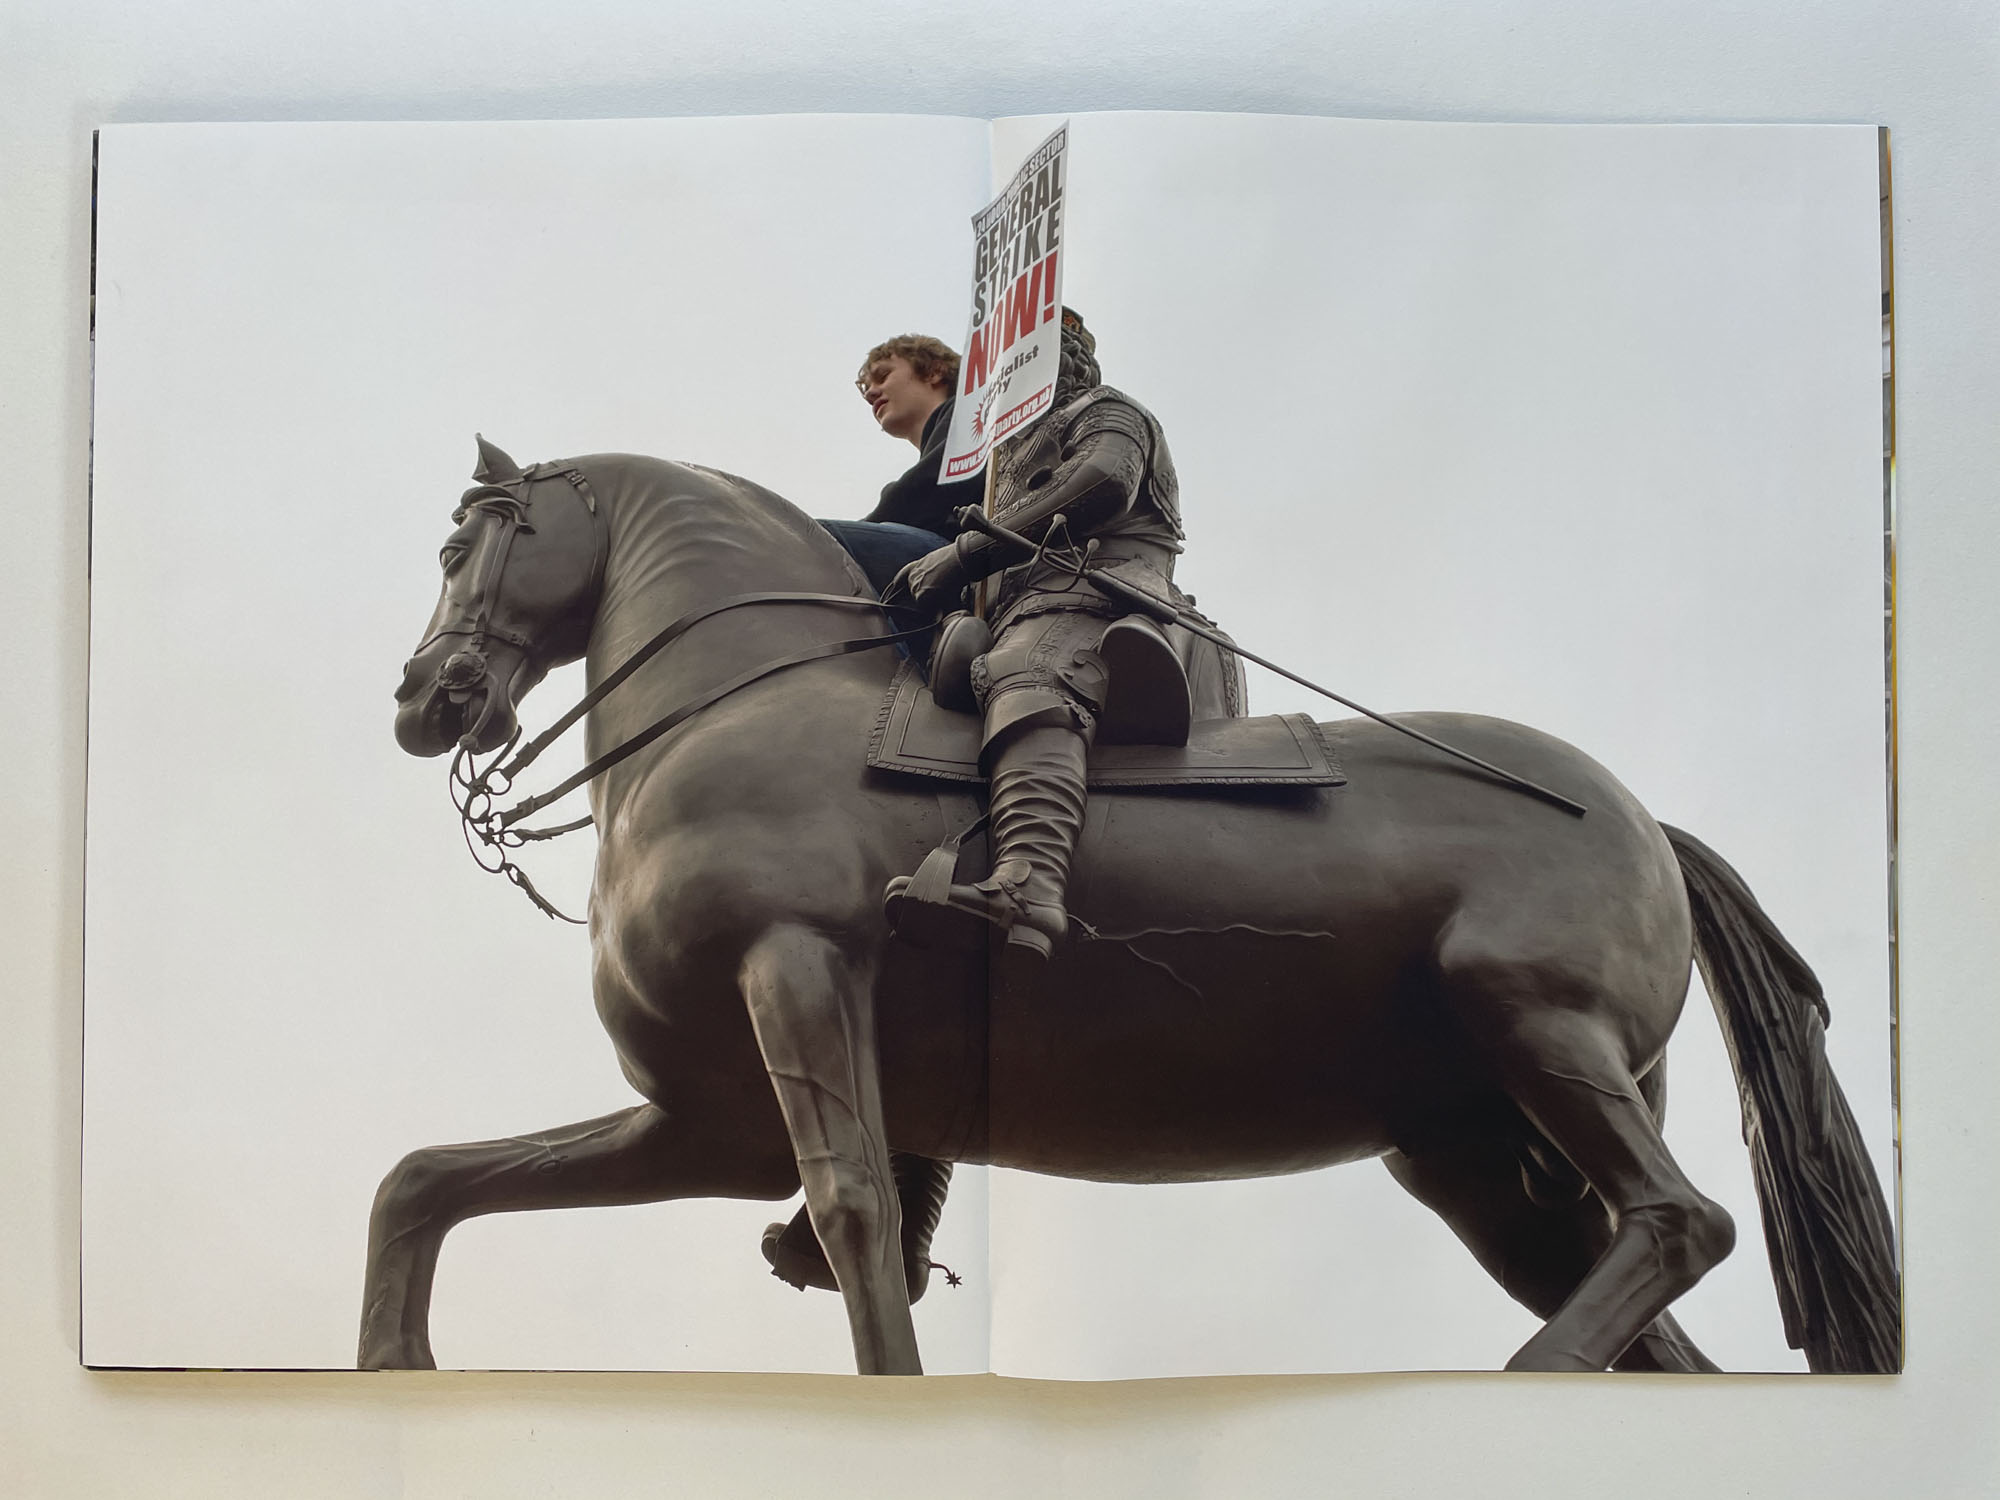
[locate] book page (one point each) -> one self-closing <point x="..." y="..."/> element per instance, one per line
<point x="296" y="975"/>
<point x="1573" y="426"/>
<point x="1576" y="426"/>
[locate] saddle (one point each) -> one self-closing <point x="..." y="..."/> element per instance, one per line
<point x="914" y="736"/>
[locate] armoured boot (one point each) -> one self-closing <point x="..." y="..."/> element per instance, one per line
<point x="797" y="1257"/>
<point x="1037" y="802"/>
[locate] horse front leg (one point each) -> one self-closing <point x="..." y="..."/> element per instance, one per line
<point x="634" y="1156"/>
<point x="813" y="1012"/>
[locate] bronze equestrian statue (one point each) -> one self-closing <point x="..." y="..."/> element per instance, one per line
<point x="1410" y="961"/>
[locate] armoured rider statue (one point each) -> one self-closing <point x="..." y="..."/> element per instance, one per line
<point x="1093" y="486"/>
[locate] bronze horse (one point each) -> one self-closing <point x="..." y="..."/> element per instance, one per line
<point x="1422" y="965"/>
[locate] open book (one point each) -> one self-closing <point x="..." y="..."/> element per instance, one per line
<point x="1577" y="426"/>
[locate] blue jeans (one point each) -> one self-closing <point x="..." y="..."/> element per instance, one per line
<point x="883" y="548"/>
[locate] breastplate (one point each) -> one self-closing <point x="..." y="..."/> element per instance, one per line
<point x="1024" y="465"/>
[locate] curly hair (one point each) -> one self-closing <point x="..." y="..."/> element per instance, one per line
<point x="932" y="361"/>
<point x="1077" y="370"/>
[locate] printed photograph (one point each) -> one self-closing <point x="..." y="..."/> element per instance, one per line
<point x="963" y="955"/>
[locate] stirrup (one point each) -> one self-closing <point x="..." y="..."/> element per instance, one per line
<point x="920" y="909"/>
<point x="923" y="915"/>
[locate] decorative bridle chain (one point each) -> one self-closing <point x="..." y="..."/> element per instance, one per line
<point x="486" y="836"/>
<point x="472" y="789"/>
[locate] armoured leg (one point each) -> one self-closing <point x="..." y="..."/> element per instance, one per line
<point x="1038" y="801"/>
<point x="1036" y="805"/>
<point x="1042" y="685"/>
<point x="797" y="1257"/>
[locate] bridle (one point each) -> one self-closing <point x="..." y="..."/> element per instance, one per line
<point x="491" y="834"/>
<point x="506" y="507"/>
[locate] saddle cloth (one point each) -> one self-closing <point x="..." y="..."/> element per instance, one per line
<point x="913" y="735"/>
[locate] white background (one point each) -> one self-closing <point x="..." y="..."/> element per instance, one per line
<point x="1576" y="424"/>
<point x="1925" y="70"/>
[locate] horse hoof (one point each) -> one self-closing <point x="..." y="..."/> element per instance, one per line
<point x="796" y="1267"/>
<point x="1530" y="1360"/>
<point x="397" y="1357"/>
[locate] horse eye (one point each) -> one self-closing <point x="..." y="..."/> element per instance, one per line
<point x="450" y="553"/>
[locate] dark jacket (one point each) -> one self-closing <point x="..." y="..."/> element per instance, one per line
<point x="917" y="498"/>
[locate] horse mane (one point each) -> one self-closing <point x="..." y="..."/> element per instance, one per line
<point x="648" y="494"/>
<point x="638" y="485"/>
<point x="683" y="531"/>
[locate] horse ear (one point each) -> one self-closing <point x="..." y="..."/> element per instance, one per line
<point x="494" y="467"/>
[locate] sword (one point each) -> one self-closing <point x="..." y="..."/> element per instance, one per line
<point x="1167" y="613"/>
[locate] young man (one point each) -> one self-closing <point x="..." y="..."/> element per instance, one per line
<point x="907" y="383"/>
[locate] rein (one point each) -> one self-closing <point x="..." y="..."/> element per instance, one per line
<point x="686" y="711"/>
<point x="473" y="790"/>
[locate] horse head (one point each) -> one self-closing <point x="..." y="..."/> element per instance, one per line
<point x="522" y="572"/>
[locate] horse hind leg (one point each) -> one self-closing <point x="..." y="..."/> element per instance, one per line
<point x="1537" y="1245"/>
<point x="1562" y="1061"/>
<point x="634" y="1156"/>
<point x="1664" y="1347"/>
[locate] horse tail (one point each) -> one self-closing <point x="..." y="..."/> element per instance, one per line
<point x="1826" y="1222"/>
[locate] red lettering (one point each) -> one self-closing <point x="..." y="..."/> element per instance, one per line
<point x="979" y="356"/>
<point x="1023" y="311"/>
